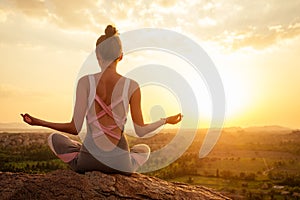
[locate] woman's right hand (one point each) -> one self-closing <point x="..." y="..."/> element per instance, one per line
<point x="30" y="120"/>
<point x="174" y="119"/>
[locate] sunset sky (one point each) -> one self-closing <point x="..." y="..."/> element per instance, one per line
<point x="255" y="46"/>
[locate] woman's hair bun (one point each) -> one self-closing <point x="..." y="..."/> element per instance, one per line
<point x="111" y="46"/>
<point x="110" y="31"/>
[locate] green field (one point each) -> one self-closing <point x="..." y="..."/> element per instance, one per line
<point x="260" y="164"/>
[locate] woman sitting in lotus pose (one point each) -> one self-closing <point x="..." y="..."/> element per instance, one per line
<point x="103" y="99"/>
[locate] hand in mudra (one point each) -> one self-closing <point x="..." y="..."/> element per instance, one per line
<point x="29" y="119"/>
<point x="174" y="119"/>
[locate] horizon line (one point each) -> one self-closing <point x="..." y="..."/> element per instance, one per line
<point x="26" y="126"/>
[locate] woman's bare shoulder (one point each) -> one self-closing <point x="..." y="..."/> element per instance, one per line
<point x="133" y="86"/>
<point x="132" y="83"/>
<point x="84" y="79"/>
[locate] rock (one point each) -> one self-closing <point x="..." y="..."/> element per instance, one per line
<point x="66" y="184"/>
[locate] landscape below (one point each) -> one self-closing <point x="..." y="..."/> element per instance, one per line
<point x="250" y="163"/>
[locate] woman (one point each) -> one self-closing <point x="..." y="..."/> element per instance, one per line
<point x="103" y="99"/>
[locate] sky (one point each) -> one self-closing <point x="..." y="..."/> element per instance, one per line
<point x="254" y="45"/>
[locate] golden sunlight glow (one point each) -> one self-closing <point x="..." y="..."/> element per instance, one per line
<point x="163" y="104"/>
<point x="43" y="48"/>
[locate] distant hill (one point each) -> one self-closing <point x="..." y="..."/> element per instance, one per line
<point x="18" y="126"/>
<point x="23" y="127"/>
<point x="233" y="129"/>
<point x="14" y="125"/>
<point x="257" y="129"/>
<point x="268" y="129"/>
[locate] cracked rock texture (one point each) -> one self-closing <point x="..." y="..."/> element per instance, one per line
<point x="66" y="184"/>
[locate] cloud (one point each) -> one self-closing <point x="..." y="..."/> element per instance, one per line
<point x="233" y="24"/>
<point x="32" y="8"/>
<point x="241" y="24"/>
<point x="29" y="33"/>
<point x="88" y="16"/>
<point x="260" y="41"/>
<point x="66" y="14"/>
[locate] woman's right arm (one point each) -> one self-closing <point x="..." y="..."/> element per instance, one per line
<point x="140" y="127"/>
<point x="80" y="109"/>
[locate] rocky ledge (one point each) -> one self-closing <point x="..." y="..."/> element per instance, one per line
<point x="66" y="184"/>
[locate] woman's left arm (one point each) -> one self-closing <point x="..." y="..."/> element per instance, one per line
<point x="80" y="109"/>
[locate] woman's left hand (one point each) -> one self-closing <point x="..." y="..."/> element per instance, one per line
<point x="174" y="119"/>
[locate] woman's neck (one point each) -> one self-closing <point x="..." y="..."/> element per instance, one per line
<point x="110" y="72"/>
<point x="111" y="68"/>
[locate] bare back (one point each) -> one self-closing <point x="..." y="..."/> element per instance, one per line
<point x="110" y="89"/>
